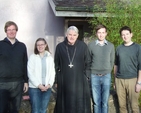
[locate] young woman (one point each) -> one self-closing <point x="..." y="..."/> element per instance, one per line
<point x="41" y="75"/>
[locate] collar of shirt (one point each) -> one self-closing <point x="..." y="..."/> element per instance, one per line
<point x="6" y="39"/>
<point x="98" y="43"/>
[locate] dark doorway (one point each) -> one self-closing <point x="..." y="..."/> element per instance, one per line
<point x="83" y="27"/>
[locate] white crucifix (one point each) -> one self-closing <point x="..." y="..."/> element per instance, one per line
<point x="70" y="65"/>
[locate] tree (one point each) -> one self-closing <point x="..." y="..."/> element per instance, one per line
<point x="115" y="14"/>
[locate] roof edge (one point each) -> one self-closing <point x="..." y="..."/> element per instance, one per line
<point x="80" y="9"/>
<point x="78" y="12"/>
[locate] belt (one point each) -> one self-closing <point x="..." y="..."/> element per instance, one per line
<point x="100" y="74"/>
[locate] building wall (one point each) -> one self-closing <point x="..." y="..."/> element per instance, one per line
<point x="34" y="18"/>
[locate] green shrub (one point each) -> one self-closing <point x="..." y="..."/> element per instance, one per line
<point x="115" y="14"/>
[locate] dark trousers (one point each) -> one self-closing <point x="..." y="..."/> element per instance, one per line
<point x="10" y="96"/>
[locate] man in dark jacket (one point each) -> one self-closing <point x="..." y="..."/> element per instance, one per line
<point x="72" y="64"/>
<point x="13" y="70"/>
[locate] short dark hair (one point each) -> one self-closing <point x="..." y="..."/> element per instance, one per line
<point x="9" y="23"/>
<point x="125" y="28"/>
<point x="99" y="27"/>
<point x="35" y="46"/>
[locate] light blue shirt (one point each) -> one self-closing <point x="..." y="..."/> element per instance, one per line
<point x="98" y="42"/>
<point x="43" y="62"/>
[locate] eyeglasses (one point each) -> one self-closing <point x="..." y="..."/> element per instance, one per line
<point x="9" y="30"/>
<point x="41" y="45"/>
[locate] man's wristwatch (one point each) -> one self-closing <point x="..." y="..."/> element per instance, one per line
<point x="139" y="83"/>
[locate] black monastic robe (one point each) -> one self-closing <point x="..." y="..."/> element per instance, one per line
<point x="73" y="94"/>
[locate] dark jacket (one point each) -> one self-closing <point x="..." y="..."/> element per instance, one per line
<point x="73" y="94"/>
<point x="13" y="61"/>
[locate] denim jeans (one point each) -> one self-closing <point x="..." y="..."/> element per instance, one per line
<point x="100" y="92"/>
<point x="39" y="100"/>
<point x="10" y="96"/>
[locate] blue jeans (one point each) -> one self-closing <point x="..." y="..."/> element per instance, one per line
<point x="10" y="96"/>
<point x="100" y="92"/>
<point x="39" y="100"/>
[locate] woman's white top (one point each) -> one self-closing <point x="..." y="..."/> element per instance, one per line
<point x="34" y="68"/>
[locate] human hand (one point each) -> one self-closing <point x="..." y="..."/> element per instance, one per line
<point x="25" y="88"/>
<point x="137" y="88"/>
<point x="48" y="86"/>
<point x="42" y="87"/>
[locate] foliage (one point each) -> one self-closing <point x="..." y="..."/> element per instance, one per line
<point x="115" y="14"/>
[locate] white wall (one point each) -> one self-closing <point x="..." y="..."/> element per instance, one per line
<point x="34" y="20"/>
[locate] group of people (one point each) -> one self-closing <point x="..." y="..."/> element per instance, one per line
<point x="126" y="60"/>
<point x="19" y="75"/>
<point x="73" y="65"/>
